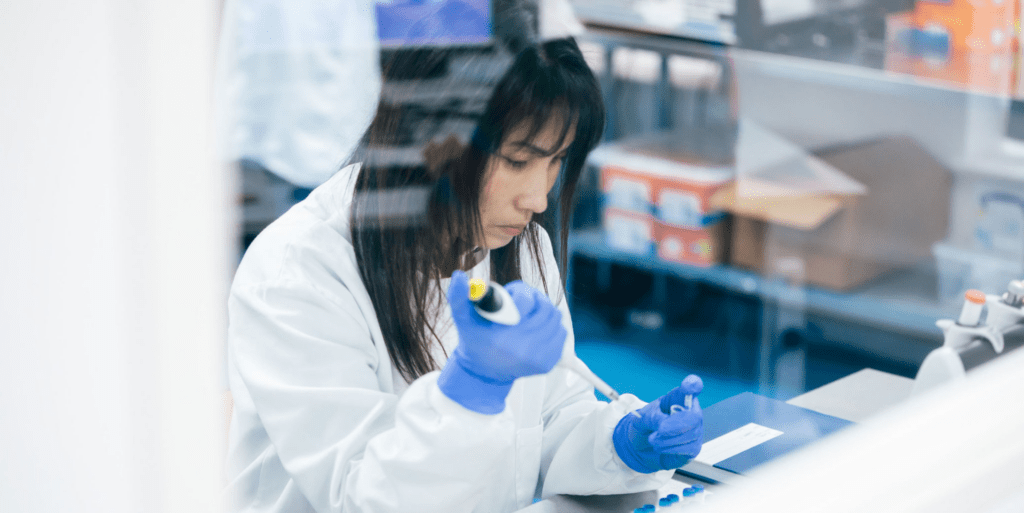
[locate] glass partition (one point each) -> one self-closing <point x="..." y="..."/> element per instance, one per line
<point x="775" y="219"/>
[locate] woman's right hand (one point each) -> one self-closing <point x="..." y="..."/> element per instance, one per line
<point x="491" y="356"/>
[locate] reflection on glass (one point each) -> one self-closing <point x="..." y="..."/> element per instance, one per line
<point x="817" y="218"/>
<point x="774" y="216"/>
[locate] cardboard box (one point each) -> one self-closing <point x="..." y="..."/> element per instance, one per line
<point x="845" y="240"/>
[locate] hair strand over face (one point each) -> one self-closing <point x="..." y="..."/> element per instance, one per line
<point x="400" y="265"/>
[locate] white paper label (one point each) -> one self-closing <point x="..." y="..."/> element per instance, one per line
<point x="735" y="442"/>
<point x="679" y="207"/>
<point x="629" y="195"/>
<point x="628" y="234"/>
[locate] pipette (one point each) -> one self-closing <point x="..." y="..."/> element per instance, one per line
<point x="576" y="365"/>
<point x="495" y="304"/>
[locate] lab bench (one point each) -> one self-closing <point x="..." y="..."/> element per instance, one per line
<point x="855" y="397"/>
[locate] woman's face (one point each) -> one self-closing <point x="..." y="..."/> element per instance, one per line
<point x="518" y="178"/>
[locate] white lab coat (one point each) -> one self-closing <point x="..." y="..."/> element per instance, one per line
<point x="322" y="422"/>
<point x="298" y="84"/>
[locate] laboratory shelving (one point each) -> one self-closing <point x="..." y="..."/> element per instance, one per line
<point x="899" y="302"/>
<point x="894" y="315"/>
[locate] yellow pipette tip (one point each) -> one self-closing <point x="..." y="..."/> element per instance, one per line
<point x="477" y="289"/>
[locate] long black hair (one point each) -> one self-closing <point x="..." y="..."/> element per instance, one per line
<point x="401" y="258"/>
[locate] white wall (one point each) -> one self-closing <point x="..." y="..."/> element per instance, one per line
<point x="115" y="252"/>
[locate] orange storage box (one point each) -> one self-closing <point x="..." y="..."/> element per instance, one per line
<point x="657" y="179"/>
<point x="701" y="246"/>
<point x="656" y="175"/>
<point x="978" y="25"/>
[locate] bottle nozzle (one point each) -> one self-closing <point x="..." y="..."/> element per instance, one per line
<point x="974" y="302"/>
<point x="1014" y="294"/>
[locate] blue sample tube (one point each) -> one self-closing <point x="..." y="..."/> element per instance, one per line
<point x="699" y="488"/>
<point x="673" y="497"/>
<point x="689" y="492"/>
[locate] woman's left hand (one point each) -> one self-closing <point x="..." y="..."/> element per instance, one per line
<point x="667" y="435"/>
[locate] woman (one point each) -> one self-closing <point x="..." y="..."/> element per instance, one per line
<point x="359" y="385"/>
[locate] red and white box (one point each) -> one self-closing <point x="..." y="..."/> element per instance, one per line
<point x="653" y="176"/>
<point x="651" y="186"/>
<point x="701" y="247"/>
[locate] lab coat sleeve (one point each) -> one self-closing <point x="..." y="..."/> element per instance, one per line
<point x="578" y="457"/>
<point x="309" y="363"/>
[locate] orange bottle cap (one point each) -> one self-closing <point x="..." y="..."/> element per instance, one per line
<point x="975" y="296"/>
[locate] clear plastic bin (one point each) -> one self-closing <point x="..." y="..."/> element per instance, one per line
<point x="960" y="270"/>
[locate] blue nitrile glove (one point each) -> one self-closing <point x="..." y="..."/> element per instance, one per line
<point x="661" y="439"/>
<point x="490" y="356"/>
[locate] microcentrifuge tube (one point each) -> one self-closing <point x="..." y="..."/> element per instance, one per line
<point x="687" y="404"/>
